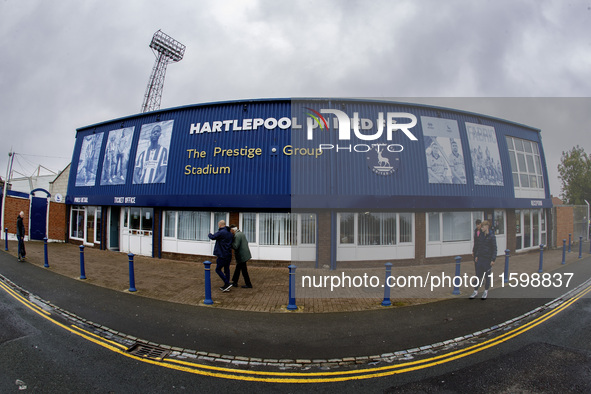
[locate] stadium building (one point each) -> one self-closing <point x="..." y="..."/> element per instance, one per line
<point x="327" y="181"/>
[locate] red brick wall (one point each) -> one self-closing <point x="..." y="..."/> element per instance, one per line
<point x="564" y="223"/>
<point x="324" y="236"/>
<point x="420" y="237"/>
<point x="511" y="230"/>
<point x="234" y="219"/>
<point x="14" y="206"/>
<point x="57" y="227"/>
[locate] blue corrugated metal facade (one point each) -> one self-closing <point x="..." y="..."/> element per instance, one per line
<point x="259" y="154"/>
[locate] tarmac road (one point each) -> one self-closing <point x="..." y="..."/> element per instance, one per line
<point x="274" y="335"/>
<point x="551" y="357"/>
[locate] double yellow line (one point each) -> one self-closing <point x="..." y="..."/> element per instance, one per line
<point x="302" y="377"/>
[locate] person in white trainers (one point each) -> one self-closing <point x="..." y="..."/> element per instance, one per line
<point x="485" y="254"/>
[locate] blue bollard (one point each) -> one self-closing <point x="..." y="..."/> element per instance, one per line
<point x="580" y="247"/>
<point x="541" y="269"/>
<point x="6" y="239"/>
<point x="292" y="305"/>
<point x="564" y="251"/>
<point x="207" y="300"/>
<point x="46" y="265"/>
<point x="386" y="301"/>
<point x="82" y="273"/>
<point x="506" y="274"/>
<point x="569" y="243"/>
<point x="131" y="273"/>
<point x="457" y="288"/>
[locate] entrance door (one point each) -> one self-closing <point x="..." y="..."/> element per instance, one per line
<point x="114" y="228"/>
<point x="38" y="218"/>
<point x="500" y="231"/>
<point x="137" y="231"/>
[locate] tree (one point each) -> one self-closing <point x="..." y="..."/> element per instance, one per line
<point x="575" y="174"/>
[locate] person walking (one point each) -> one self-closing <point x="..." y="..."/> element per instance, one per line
<point x="484" y="258"/>
<point x="223" y="251"/>
<point x="242" y="254"/>
<point x="20" y="236"/>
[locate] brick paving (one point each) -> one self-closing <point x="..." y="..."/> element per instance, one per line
<point x="183" y="282"/>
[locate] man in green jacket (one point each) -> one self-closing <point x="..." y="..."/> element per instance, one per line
<point x="242" y="253"/>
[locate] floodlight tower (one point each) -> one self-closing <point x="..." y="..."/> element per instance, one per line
<point x="167" y="50"/>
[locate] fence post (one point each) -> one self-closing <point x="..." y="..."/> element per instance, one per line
<point x="580" y="247"/>
<point x="506" y="274"/>
<point x="569" y="243"/>
<point x="564" y="251"/>
<point x="207" y="300"/>
<point x="541" y="269"/>
<point x="386" y="301"/>
<point x="82" y="271"/>
<point x="292" y="305"/>
<point x="457" y="288"/>
<point x="6" y="239"/>
<point x="46" y="265"/>
<point x="131" y="273"/>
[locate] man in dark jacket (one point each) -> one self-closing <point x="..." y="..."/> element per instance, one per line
<point x="484" y="258"/>
<point x="242" y="254"/>
<point x="223" y="251"/>
<point x="20" y="236"/>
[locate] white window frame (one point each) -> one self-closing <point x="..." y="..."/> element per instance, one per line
<point x="536" y="161"/>
<point x="213" y="227"/>
<point x="80" y="209"/>
<point x="83" y="209"/>
<point x="355" y="252"/>
<point x="355" y="242"/>
<point x="441" y="248"/>
<point x="542" y="228"/>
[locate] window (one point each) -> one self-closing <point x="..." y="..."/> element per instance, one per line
<point x="99" y="222"/>
<point x="499" y="222"/>
<point x="530" y="228"/>
<point x="518" y="230"/>
<point x="347" y="227"/>
<point x="308" y="225"/>
<point x="457" y="226"/>
<point x="193" y="225"/>
<point x="217" y="216"/>
<point x="434" y="233"/>
<point x="139" y="220"/>
<point x="135" y="219"/>
<point x="170" y="224"/>
<point x="249" y="226"/>
<point x="375" y="228"/>
<point x="188" y="225"/>
<point x="77" y="222"/>
<point x="277" y="229"/>
<point x="281" y="229"/>
<point x="405" y="227"/>
<point x="526" y="165"/>
<point x="451" y="226"/>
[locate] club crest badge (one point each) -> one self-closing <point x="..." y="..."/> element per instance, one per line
<point x="382" y="162"/>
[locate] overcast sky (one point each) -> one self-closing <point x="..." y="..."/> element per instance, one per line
<point x="66" y="64"/>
